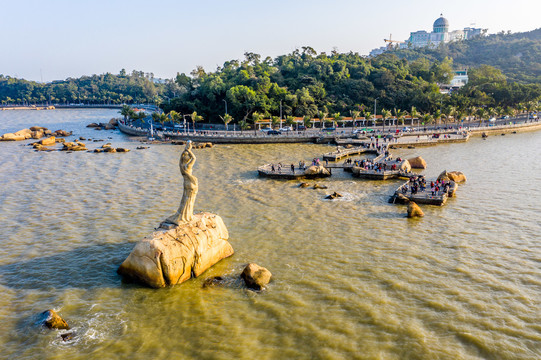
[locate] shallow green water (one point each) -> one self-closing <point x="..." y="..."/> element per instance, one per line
<point x="352" y="278"/>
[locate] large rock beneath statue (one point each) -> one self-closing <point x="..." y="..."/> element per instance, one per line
<point x="417" y="163"/>
<point x="317" y="170"/>
<point x="170" y="257"/>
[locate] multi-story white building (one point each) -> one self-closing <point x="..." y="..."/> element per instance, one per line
<point x="440" y="34"/>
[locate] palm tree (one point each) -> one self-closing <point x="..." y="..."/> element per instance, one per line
<point x="226" y="119"/>
<point x="427" y="118"/>
<point x="530" y="106"/>
<point x="414" y="114"/>
<point x="491" y="112"/>
<point x="126" y="111"/>
<point x="400" y="115"/>
<point x="482" y="113"/>
<point x="366" y="117"/>
<point x="290" y="120"/>
<point x="195" y="118"/>
<point x="386" y="114"/>
<point x="500" y="111"/>
<point x="256" y="117"/>
<point x="452" y="112"/>
<point x="354" y="115"/>
<point x="275" y="120"/>
<point x="174" y="117"/>
<point x="322" y="115"/>
<point x="437" y="116"/>
<point x="307" y="119"/>
<point x="243" y="125"/>
<point x="336" y="117"/>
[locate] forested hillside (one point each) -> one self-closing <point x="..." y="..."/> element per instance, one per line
<point x="518" y="55"/>
<point x="105" y="88"/>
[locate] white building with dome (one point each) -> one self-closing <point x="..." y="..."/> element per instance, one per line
<point x="440" y="34"/>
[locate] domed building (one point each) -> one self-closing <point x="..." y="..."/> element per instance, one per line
<point x="441" y="25"/>
<point x="440" y="34"/>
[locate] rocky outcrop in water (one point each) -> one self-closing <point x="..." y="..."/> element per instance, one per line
<point x="256" y="277"/>
<point x="303" y="185"/>
<point x="317" y="170"/>
<point x="52" y="320"/>
<point x="455" y="176"/>
<point x="417" y="163"/>
<point x="333" y="196"/>
<point x="171" y="256"/>
<point x="414" y="210"/>
<point x="405" y="166"/>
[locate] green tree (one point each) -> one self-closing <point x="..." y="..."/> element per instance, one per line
<point x="195" y="118"/>
<point x="227" y="118"/>
<point x="256" y="117"/>
<point x="385" y="114"/>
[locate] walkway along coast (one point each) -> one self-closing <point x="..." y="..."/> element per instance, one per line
<point x="430" y="136"/>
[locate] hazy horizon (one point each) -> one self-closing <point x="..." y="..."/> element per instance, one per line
<point x="60" y="39"/>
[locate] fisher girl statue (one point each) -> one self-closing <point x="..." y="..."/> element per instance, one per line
<point x="184" y="213"/>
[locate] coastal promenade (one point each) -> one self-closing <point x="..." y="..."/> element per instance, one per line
<point x="424" y="137"/>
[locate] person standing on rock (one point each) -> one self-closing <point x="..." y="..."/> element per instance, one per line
<point x="185" y="210"/>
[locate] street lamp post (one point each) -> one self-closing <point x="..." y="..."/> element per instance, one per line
<point x="375" y="101"/>
<point x="280" y="114"/>
<point x="225" y="106"/>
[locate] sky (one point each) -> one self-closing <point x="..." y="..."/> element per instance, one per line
<point x="45" y="40"/>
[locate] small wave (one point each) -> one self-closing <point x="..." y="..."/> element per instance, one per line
<point x="244" y="181"/>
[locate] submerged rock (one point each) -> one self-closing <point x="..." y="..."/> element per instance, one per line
<point x="400" y="198"/>
<point x="256" y="277"/>
<point x="213" y="281"/>
<point x="62" y="133"/>
<point x="122" y="150"/>
<point x="48" y="141"/>
<point x="414" y="210"/>
<point x="317" y="186"/>
<point x="52" y="320"/>
<point x="38" y="128"/>
<point x="303" y="185"/>
<point x="333" y="196"/>
<point x="67" y="336"/>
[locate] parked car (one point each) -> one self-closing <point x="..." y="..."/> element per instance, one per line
<point x="328" y="129"/>
<point x="301" y="127"/>
<point x="274" y="132"/>
<point x="286" y="128"/>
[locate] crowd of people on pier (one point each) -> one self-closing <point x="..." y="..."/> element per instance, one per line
<point x="277" y="168"/>
<point x="418" y="184"/>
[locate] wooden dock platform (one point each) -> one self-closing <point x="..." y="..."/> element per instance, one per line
<point x="439" y="198"/>
<point x="285" y="173"/>
<point x="342" y="153"/>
